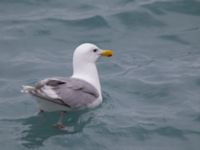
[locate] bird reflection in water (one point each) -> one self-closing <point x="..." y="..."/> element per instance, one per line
<point x="38" y="129"/>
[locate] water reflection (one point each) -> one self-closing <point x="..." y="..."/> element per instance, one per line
<point x="39" y="127"/>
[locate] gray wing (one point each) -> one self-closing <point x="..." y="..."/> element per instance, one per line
<point x="70" y="92"/>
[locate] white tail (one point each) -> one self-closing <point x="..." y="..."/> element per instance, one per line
<point x="27" y="89"/>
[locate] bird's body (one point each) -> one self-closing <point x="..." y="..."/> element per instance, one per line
<point x="64" y="94"/>
<point x="80" y="91"/>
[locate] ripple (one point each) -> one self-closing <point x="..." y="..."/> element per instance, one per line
<point x="174" y="38"/>
<point x="90" y="22"/>
<point x="132" y="19"/>
<point x="170" y="132"/>
<point x="183" y="6"/>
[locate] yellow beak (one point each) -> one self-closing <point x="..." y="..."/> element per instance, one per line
<point x="107" y="53"/>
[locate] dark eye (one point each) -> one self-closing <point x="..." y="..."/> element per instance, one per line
<point x="95" y="50"/>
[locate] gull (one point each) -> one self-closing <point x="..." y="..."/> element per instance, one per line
<point x="80" y="91"/>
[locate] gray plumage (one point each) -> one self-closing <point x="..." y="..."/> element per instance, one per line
<point x="73" y="93"/>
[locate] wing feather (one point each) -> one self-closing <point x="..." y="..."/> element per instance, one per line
<point x="70" y="92"/>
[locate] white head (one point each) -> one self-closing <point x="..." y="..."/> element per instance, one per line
<point x="89" y="53"/>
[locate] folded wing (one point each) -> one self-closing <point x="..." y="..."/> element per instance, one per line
<point x="69" y="92"/>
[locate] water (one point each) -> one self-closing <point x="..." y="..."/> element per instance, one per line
<point x="150" y="86"/>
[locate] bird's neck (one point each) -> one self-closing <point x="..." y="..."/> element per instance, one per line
<point x="87" y="72"/>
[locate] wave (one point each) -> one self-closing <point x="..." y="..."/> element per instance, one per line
<point x="88" y="22"/>
<point x="132" y="19"/>
<point x="184" y="6"/>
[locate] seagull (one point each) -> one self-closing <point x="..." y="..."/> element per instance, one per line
<point x="80" y="91"/>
